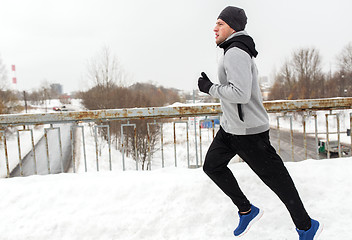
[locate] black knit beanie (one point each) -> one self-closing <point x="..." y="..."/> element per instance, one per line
<point x="234" y="17"/>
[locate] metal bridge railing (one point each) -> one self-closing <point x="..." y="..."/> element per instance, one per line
<point x="285" y="109"/>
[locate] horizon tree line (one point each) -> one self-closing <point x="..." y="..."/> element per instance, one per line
<point x="302" y="77"/>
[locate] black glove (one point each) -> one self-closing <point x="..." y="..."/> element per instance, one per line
<point x="204" y="83"/>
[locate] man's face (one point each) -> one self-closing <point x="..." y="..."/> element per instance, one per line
<point x="222" y="31"/>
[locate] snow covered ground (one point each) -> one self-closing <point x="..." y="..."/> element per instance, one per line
<point x="170" y="203"/>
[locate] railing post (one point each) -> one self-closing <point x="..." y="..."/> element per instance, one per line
<point x="292" y="146"/>
<point x="73" y="146"/>
<point x="33" y="150"/>
<point x="96" y="147"/>
<point x="46" y="130"/>
<point x="6" y="154"/>
<point x="96" y="144"/>
<point x="19" y="153"/>
<point x="84" y="149"/>
<point x="351" y="133"/>
<point x="186" y="122"/>
<point x="195" y="140"/>
<point x="47" y="149"/>
<point x="123" y="146"/>
<point x="149" y="147"/>
<point x="174" y="128"/>
<point x="316" y="135"/>
<point x="328" y="133"/>
<point x="60" y="145"/>
<point x="200" y="136"/>
<point x="305" y="137"/>
<point x="162" y="146"/>
<point x="278" y="133"/>
<point x="195" y="131"/>
<point x="73" y="152"/>
<point x="338" y="134"/>
<point x="200" y="142"/>
<point x="291" y="134"/>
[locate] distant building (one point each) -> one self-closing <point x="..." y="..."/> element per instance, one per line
<point x="265" y="86"/>
<point x="57" y="88"/>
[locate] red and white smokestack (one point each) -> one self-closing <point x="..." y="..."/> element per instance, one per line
<point x="14" y="79"/>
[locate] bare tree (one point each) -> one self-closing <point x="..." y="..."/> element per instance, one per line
<point x="343" y="77"/>
<point x="307" y="64"/>
<point x="8" y="99"/>
<point x="345" y="58"/>
<point x="3" y="75"/>
<point x="300" y="77"/>
<point x="9" y="102"/>
<point x="286" y="82"/>
<point x="105" y="70"/>
<point x="34" y="97"/>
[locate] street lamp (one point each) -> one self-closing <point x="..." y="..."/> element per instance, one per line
<point x="343" y="84"/>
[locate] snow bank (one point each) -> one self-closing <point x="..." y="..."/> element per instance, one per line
<point x="170" y="203"/>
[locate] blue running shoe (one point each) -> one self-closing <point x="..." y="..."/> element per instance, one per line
<point x="246" y="221"/>
<point x="312" y="233"/>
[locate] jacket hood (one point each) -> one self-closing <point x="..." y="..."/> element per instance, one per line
<point x="243" y="39"/>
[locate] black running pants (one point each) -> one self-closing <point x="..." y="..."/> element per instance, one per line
<point x="257" y="152"/>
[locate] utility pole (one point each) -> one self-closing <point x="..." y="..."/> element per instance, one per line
<point x="195" y="129"/>
<point x="25" y="100"/>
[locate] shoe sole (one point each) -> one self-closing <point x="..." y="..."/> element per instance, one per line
<point x="256" y="219"/>
<point x="320" y="229"/>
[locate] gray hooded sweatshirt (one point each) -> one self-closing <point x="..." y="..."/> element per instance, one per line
<point x="238" y="78"/>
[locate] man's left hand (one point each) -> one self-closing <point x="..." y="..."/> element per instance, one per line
<point x="204" y="83"/>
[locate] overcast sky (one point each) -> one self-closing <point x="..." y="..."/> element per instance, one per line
<point x="165" y="42"/>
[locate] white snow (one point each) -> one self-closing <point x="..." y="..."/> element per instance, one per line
<point x="170" y="203"/>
